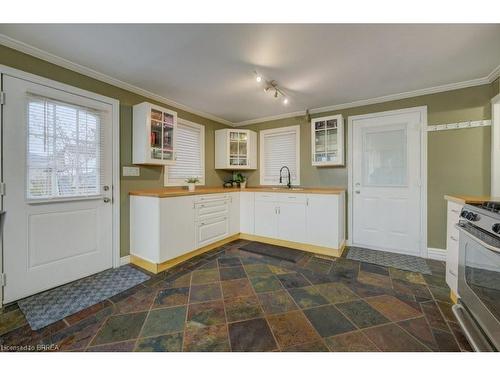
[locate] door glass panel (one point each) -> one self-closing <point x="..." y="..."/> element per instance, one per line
<point x="331" y="124"/>
<point x="243" y="149"/>
<point x="155" y="134"/>
<point x="319" y="125"/>
<point x="320" y="140"/>
<point x="233" y="136"/>
<point x="331" y="156"/>
<point x="233" y="148"/>
<point x="242" y="161"/>
<point x="233" y="161"/>
<point x="331" y="140"/>
<point x="319" y="157"/>
<point x="385" y="158"/>
<point x="156" y="115"/>
<point x="243" y="136"/>
<point x="482" y="271"/>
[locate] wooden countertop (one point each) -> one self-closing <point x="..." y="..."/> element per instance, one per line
<point x="467" y="199"/>
<point x="177" y="192"/>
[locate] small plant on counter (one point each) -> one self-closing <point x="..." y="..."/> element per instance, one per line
<point x="241" y="180"/>
<point x="192" y="181"/>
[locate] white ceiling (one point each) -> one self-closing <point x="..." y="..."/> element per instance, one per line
<point x="209" y="67"/>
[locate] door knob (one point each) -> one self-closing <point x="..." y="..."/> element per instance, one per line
<point x="357" y="191"/>
<point x="105" y="187"/>
<point x="106" y="200"/>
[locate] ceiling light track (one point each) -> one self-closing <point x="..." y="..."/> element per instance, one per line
<point x="271" y="87"/>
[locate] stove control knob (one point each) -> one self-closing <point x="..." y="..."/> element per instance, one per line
<point x="464" y="213"/>
<point x="496" y="228"/>
<point x="471" y="216"/>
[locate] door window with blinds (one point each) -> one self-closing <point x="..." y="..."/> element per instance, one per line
<point x="64" y="149"/>
<point x="279" y="147"/>
<point x="190" y="155"/>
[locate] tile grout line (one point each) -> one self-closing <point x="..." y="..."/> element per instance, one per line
<point x="260" y="305"/>
<point x="187" y="313"/>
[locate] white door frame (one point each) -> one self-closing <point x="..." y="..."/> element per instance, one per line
<point x="495" y="146"/>
<point x="423" y="170"/>
<point x="115" y="119"/>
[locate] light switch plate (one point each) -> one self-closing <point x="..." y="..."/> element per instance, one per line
<point x="131" y="171"/>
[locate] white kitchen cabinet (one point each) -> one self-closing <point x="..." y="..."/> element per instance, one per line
<point x="266" y="217"/>
<point x="453" y="216"/>
<point x="162" y="229"/>
<point x="235" y="149"/>
<point x="211" y="230"/>
<point x="315" y="219"/>
<point x="247" y="212"/>
<point x="154" y="133"/>
<point x="156" y="235"/>
<point x="234" y="213"/>
<point x="327" y="141"/>
<point x="292" y="221"/>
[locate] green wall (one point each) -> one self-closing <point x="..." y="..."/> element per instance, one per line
<point x="458" y="160"/>
<point x="151" y="177"/>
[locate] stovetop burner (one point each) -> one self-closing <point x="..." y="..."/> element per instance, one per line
<point x="491" y="206"/>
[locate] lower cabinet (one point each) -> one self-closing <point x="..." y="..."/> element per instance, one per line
<point x="266" y="217"/>
<point x="208" y="231"/>
<point x="165" y="228"/>
<point x="316" y="219"/>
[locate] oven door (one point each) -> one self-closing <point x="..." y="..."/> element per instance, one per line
<point x="479" y="287"/>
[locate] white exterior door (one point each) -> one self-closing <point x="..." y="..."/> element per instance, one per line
<point x="57" y="160"/>
<point x="386" y="181"/>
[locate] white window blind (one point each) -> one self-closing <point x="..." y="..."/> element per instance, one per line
<point x="279" y="147"/>
<point x="190" y="155"/>
<point x="64" y="149"/>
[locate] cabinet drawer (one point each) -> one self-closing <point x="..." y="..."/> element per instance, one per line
<point x="267" y="197"/>
<point x="212" y="230"/>
<point x="209" y="209"/>
<point x="211" y="198"/>
<point x="292" y="198"/>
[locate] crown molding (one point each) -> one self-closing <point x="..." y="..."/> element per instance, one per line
<point x="54" y="59"/>
<point x="403" y="95"/>
<point x="49" y="57"/>
<point x="494" y="74"/>
<point x="269" y="118"/>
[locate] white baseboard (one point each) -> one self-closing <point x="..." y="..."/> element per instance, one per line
<point x="124" y="260"/>
<point x="437" y="254"/>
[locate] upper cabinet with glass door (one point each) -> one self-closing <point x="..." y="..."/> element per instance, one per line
<point x="235" y="149"/>
<point x="154" y="135"/>
<point x="327" y="141"/>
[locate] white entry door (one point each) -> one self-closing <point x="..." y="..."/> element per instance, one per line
<point x="57" y="170"/>
<point x="386" y="181"/>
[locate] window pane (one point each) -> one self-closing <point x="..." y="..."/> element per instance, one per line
<point x="384" y="158"/>
<point x="64" y="150"/>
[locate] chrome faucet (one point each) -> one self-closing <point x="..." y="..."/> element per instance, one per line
<point x="289" y="184"/>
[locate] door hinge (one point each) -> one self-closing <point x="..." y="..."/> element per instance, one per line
<point x="2" y="97"/>
<point x="2" y="188"/>
<point x="3" y="279"/>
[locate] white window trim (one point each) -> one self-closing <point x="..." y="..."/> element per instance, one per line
<point x="179" y="182"/>
<point x="263" y="133"/>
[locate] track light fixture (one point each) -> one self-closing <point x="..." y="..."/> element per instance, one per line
<point x="272" y="87"/>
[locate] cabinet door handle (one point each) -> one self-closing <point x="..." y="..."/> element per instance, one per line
<point x="453" y="273"/>
<point x="454" y="238"/>
<point x="455" y="211"/>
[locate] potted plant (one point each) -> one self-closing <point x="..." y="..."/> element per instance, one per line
<point x="191" y="181"/>
<point x="241" y="180"/>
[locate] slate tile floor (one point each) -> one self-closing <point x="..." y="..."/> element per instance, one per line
<point x="232" y="300"/>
